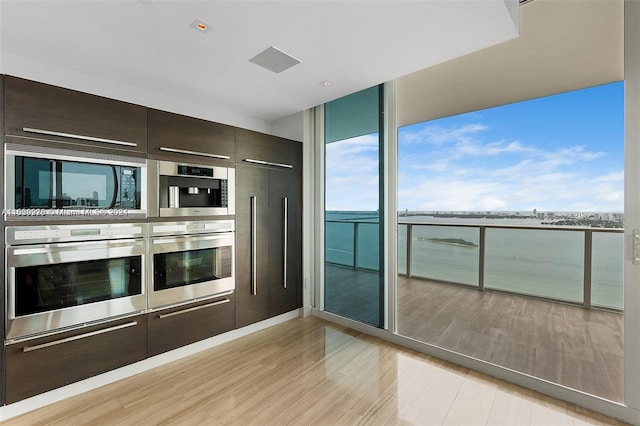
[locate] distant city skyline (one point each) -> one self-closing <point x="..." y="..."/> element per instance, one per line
<point x="558" y="153"/>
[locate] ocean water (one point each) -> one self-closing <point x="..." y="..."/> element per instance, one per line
<point x="547" y="263"/>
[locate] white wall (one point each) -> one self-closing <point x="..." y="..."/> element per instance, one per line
<point x="632" y="209"/>
<point x="291" y="127"/>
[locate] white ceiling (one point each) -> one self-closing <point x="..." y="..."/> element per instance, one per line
<point x="563" y="45"/>
<point x="128" y="48"/>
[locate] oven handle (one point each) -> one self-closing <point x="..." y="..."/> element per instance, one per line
<point x="195" y="308"/>
<point x="254" y="245"/>
<point x="201" y="154"/>
<point x="74" y="136"/>
<point x="225" y="238"/>
<point x="79" y="336"/>
<point x="285" y="236"/>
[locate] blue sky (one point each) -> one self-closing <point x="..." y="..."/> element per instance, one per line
<point x="559" y="153"/>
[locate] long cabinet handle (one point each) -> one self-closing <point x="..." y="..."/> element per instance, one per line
<point x="285" y="236"/>
<point x="79" y="336"/>
<point x="268" y="163"/>
<point x="195" y="308"/>
<point x="74" y="136"/>
<point x="201" y="154"/>
<point x="254" y="245"/>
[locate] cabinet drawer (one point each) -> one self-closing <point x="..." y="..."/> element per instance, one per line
<point x="43" y="364"/>
<point x="67" y="116"/>
<point x="174" y="136"/>
<point x="179" y="326"/>
<point x="252" y="145"/>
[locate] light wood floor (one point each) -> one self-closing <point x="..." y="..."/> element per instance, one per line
<point x="305" y="372"/>
<point x="565" y="344"/>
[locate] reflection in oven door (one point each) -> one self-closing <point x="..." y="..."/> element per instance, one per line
<point x="57" y="285"/>
<point x="190" y="266"/>
<point x="42" y="288"/>
<point x="183" y="268"/>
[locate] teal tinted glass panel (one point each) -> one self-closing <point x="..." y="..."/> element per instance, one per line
<point x="353" y="285"/>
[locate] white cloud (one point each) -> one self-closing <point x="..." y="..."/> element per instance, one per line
<point x="352" y="174"/>
<point x="455" y="169"/>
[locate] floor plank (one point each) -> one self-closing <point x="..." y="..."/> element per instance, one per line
<point x="309" y="372"/>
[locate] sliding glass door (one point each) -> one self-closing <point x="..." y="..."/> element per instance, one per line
<point x="353" y="208"/>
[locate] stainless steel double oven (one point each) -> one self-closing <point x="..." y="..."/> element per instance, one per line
<point x="189" y="261"/>
<point x="65" y="272"/>
<point x="61" y="276"/>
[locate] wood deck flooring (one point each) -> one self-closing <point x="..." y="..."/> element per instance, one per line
<point x="575" y="347"/>
<point x="310" y="372"/>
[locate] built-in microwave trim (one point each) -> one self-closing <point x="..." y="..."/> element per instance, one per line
<point x="14" y="150"/>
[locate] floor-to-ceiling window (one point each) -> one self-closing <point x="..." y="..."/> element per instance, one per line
<point x="353" y="208"/>
<point x="493" y="295"/>
<point x="511" y="236"/>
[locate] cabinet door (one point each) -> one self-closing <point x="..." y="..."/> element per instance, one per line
<point x="285" y="242"/>
<point x="190" y="139"/>
<point x="67" y="116"/>
<point x="40" y="365"/>
<point x="252" y="247"/>
<point x="179" y="326"/>
<point x="252" y="145"/>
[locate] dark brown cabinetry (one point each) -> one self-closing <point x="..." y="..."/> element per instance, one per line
<point x="252" y="244"/>
<point x="39" y="365"/>
<point x="285" y="242"/>
<point x="254" y="146"/>
<point x="182" y="325"/>
<point x="174" y="136"/>
<point x="268" y="232"/>
<point x="41" y="112"/>
<point x="268" y="229"/>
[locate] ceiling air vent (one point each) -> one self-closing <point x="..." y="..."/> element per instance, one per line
<point x="274" y="60"/>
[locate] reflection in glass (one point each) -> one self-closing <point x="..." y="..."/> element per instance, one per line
<point x="354" y="284"/>
<point x="45" y="288"/>
<point x="182" y="268"/>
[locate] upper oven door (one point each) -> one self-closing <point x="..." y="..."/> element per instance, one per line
<point x="59" y="285"/>
<point x="53" y="182"/>
<point x="186" y="268"/>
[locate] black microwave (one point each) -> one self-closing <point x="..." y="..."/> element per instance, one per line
<point x="60" y="183"/>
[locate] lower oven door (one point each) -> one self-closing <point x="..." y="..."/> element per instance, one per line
<point x="56" y="286"/>
<point x="187" y="268"/>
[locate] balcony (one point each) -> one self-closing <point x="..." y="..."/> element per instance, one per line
<point x="546" y="301"/>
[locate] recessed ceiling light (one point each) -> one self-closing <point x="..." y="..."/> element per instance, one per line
<point x="200" y="26"/>
<point x="326" y="83"/>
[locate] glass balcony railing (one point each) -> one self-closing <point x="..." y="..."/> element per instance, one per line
<point x="571" y="264"/>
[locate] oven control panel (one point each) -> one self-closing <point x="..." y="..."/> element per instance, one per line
<point x="16" y="235"/>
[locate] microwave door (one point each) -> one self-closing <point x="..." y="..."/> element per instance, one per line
<point x="36" y="183"/>
<point x="86" y="185"/>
